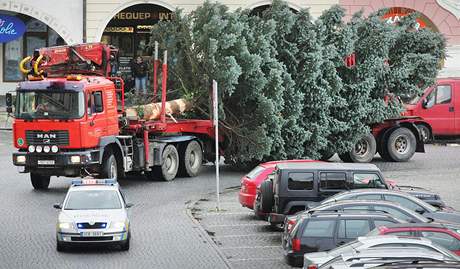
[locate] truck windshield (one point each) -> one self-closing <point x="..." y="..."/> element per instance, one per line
<point x="50" y="104"/>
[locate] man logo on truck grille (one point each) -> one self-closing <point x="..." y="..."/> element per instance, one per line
<point x="46" y="137"/>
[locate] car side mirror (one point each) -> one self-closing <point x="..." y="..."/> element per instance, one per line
<point x="57" y="206"/>
<point x="129" y="205"/>
<point x="9" y="102"/>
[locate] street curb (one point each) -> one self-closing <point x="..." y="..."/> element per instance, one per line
<point x="205" y="235"/>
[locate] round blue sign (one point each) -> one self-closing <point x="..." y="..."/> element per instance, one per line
<point x="10" y="28"/>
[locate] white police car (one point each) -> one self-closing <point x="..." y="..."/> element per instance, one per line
<point x="94" y="212"/>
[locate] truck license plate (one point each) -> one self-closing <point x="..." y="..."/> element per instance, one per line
<point x="92" y="233"/>
<point x="46" y="162"/>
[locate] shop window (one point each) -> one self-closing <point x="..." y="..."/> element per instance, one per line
<point x="37" y="35"/>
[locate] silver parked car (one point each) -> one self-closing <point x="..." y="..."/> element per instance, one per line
<point x="371" y="242"/>
<point x="94" y="212"/>
<point x="371" y="258"/>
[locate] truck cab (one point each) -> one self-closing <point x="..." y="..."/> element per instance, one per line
<point x="59" y="124"/>
<point x="439" y="107"/>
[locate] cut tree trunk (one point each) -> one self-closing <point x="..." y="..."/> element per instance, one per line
<point x="152" y="111"/>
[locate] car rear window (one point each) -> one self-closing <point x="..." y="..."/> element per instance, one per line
<point x="333" y="181"/>
<point x="255" y="172"/>
<point x="300" y="181"/>
<point x="319" y="228"/>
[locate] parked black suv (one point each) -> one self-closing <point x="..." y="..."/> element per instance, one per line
<point x="293" y="186"/>
<point x="323" y="231"/>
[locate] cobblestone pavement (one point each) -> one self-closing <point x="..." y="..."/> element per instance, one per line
<point x="164" y="235"/>
<point x="250" y="243"/>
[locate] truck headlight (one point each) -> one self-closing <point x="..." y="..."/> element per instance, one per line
<point x="39" y="148"/>
<point x="65" y="225"/>
<point x="21" y="159"/>
<point x="31" y="148"/>
<point x="75" y="159"/>
<point x="54" y="149"/>
<point x="46" y="149"/>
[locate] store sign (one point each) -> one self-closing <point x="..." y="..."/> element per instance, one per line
<point x="141" y="14"/>
<point x="11" y="28"/>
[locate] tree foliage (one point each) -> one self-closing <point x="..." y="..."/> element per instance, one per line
<point x="284" y="89"/>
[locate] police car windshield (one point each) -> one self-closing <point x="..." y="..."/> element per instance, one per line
<point x="94" y="199"/>
<point x="48" y="104"/>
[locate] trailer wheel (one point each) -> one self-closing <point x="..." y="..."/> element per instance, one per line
<point x="39" y="182"/>
<point x="363" y="151"/>
<point x="425" y="132"/>
<point x="191" y="159"/>
<point x="401" y="145"/>
<point x="168" y="170"/>
<point x="266" y="196"/>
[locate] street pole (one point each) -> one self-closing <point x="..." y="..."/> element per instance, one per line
<point x="216" y="138"/>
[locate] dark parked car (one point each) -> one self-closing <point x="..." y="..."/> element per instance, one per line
<point x="294" y="186"/>
<point x="406" y="200"/>
<point x="392" y="208"/>
<point x="323" y="231"/>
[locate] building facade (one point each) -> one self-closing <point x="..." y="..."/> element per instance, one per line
<point x="127" y="23"/>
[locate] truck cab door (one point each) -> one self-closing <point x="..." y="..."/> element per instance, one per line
<point x="438" y="109"/>
<point x="97" y="120"/>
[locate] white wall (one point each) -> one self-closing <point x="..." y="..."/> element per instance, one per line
<point x="64" y="16"/>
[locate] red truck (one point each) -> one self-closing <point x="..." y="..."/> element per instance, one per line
<point x="439" y="107"/>
<point x="70" y="121"/>
<point x="75" y="125"/>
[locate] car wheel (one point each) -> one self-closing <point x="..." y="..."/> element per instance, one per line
<point x="401" y="145"/>
<point x="109" y="165"/>
<point x="191" y="159"/>
<point x="168" y="170"/>
<point x="266" y="196"/>
<point x="125" y="245"/>
<point x="60" y="247"/>
<point x="258" y="211"/>
<point x="39" y="182"/>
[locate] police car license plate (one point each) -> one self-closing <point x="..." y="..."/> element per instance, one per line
<point x="45" y="162"/>
<point x="92" y="233"/>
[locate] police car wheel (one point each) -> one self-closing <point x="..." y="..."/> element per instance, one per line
<point x="39" y="182"/>
<point x="60" y="247"/>
<point x="125" y="245"/>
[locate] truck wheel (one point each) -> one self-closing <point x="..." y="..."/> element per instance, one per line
<point x="266" y="196"/>
<point x="363" y="151"/>
<point x="109" y="165"/>
<point x="168" y="170"/>
<point x="39" y="182"/>
<point x="425" y="132"/>
<point x="191" y="159"/>
<point x="401" y="145"/>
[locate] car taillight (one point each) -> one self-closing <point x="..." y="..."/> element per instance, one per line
<point x="312" y="266"/>
<point x="243" y="188"/>
<point x="290" y="225"/>
<point x="295" y="244"/>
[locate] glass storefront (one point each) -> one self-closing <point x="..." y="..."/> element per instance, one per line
<point x="37" y="35"/>
<point x="129" y="30"/>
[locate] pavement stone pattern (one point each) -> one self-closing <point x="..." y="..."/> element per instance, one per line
<point x="250" y="243"/>
<point x="163" y="233"/>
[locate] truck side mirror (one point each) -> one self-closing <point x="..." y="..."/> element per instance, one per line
<point x="9" y="102"/>
<point x="424" y="103"/>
